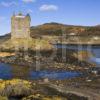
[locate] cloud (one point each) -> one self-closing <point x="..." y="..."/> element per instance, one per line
<point x="48" y="8"/>
<point x="28" y="1"/>
<point x="8" y="4"/>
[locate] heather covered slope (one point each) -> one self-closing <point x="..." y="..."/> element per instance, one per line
<point x="56" y="29"/>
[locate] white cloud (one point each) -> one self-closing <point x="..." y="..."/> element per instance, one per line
<point x="8" y="4"/>
<point x="48" y="8"/>
<point x="27" y="1"/>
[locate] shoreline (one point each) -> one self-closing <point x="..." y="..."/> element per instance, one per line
<point x="45" y="88"/>
<point x="76" y="44"/>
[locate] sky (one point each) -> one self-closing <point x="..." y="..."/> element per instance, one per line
<point x="71" y="12"/>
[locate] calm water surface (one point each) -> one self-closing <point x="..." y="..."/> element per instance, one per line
<point x="9" y="72"/>
<point x="94" y="50"/>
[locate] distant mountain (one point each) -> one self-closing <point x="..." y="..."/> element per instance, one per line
<point x="57" y="29"/>
<point x="98" y="25"/>
<point x="5" y="37"/>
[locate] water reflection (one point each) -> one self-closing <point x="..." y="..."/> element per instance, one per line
<point x="94" y="50"/>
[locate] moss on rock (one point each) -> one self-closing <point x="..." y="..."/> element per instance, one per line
<point x="43" y="97"/>
<point x="15" y="87"/>
<point x="3" y="98"/>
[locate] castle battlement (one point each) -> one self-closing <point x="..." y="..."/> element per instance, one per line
<point x="20" y="30"/>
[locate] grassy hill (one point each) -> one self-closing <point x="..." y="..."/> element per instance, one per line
<point x="56" y="29"/>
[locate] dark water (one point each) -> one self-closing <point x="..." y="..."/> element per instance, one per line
<point x="9" y="72"/>
<point x="54" y="75"/>
<point x="5" y="71"/>
<point x="94" y="50"/>
<point x="96" y="57"/>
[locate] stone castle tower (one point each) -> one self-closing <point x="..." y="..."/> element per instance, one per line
<point x="20" y="26"/>
<point x="20" y="30"/>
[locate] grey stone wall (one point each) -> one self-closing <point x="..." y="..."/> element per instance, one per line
<point x="20" y="26"/>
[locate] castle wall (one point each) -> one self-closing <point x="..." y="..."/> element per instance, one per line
<point x="20" y="31"/>
<point x="20" y="27"/>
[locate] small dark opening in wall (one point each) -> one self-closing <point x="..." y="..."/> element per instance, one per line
<point x="16" y="97"/>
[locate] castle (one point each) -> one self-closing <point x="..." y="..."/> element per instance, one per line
<point x="20" y="30"/>
<point x="20" y="26"/>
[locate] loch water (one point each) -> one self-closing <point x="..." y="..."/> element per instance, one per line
<point x="10" y="71"/>
<point x="21" y="72"/>
<point x="93" y="49"/>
